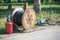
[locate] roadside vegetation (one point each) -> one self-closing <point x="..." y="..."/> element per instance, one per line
<point x="44" y="14"/>
<point x="31" y="6"/>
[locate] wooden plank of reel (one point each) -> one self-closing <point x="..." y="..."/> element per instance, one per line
<point x="28" y="18"/>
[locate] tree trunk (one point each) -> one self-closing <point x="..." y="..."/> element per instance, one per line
<point x="9" y="5"/>
<point x="19" y="1"/>
<point x="37" y="6"/>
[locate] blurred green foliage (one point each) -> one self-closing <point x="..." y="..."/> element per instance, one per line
<point x="30" y="1"/>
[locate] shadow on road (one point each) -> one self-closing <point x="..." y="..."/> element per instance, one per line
<point x="2" y="31"/>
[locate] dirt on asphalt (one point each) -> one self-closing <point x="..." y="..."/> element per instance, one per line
<point x="37" y="28"/>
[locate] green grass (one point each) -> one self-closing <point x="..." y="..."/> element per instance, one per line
<point x="31" y="6"/>
<point x="48" y="6"/>
<point x="2" y="25"/>
<point x="3" y="17"/>
<point x="14" y="6"/>
<point x="46" y="15"/>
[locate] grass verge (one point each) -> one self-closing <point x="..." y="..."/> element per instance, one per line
<point x="44" y="14"/>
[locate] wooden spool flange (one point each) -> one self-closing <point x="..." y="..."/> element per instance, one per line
<point x="28" y="19"/>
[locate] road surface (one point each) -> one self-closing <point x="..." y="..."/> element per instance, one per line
<point x="46" y="34"/>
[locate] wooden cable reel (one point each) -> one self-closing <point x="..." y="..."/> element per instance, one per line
<point x="28" y="18"/>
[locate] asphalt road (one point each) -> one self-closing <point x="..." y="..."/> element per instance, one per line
<point x="46" y="34"/>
